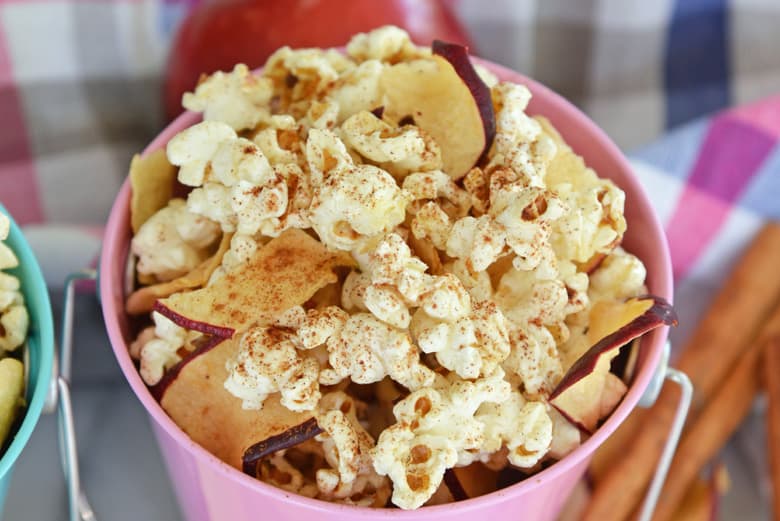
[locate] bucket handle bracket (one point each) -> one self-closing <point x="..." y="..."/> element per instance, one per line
<point x="662" y="374"/>
<point x="59" y="400"/>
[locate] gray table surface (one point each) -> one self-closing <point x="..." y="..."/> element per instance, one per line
<point x="125" y="477"/>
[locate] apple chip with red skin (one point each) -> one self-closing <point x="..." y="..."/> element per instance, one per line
<point x="588" y="391"/>
<point x="284" y="273"/>
<point x="194" y="396"/>
<point x="142" y="300"/>
<point x="446" y="98"/>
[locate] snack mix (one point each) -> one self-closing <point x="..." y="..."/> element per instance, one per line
<point x="381" y="253"/>
<point x="14" y="323"/>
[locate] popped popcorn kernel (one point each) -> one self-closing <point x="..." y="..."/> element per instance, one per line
<point x="173" y="241"/>
<point x="480" y="241"/>
<point x="160" y="351"/>
<point x="471" y="345"/>
<point x="15" y="323"/>
<point x="357" y="90"/>
<point x="436" y="429"/>
<point x="398" y="150"/>
<point x="268" y="362"/>
<point x="347" y="448"/>
<point x="387" y="43"/>
<point x="361" y="201"/>
<point x="620" y="276"/>
<point x="534" y="358"/>
<point x="237" y="98"/>
<point x="523" y="427"/>
<point x="367" y="350"/>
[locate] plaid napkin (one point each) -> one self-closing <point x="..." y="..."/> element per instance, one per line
<point x="80" y="93"/>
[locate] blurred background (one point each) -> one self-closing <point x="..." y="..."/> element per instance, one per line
<point x="85" y="84"/>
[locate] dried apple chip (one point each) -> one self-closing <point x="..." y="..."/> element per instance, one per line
<point x="286" y="272"/>
<point x="470" y="481"/>
<point x="152" y="179"/>
<point x="584" y="393"/>
<point x="142" y="300"/>
<point x="446" y="98"/>
<point x="196" y="399"/>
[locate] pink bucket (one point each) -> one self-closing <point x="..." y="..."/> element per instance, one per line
<point x="210" y="490"/>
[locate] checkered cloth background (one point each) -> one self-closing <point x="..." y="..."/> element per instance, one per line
<point x="689" y="88"/>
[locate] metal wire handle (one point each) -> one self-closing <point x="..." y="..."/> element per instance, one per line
<point x="59" y="400"/>
<point x="662" y="374"/>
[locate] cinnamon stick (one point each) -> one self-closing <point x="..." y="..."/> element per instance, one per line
<point x="721" y="338"/>
<point x="771" y="370"/>
<point x="719" y="419"/>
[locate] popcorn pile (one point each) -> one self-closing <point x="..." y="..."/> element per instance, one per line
<point x="470" y="293"/>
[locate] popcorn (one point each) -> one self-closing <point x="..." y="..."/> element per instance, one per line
<point x="212" y="201"/>
<point x="356" y="202"/>
<point x="192" y="149"/>
<point x="478" y="240"/>
<point x="534" y="359"/>
<point x="436" y="429"/>
<point x="5" y="227"/>
<point x="237" y="98"/>
<point x="387" y="43"/>
<point x="161" y="351"/>
<point x="15" y="322"/>
<point x="366" y="350"/>
<point x="595" y="222"/>
<point x="432" y="223"/>
<point x="347" y="447"/>
<point x="467" y="300"/>
<point x="619" y="276"/>
<point x="303" y="75"/>
<point x="7" y="257"/>
<point x="279" y="142"/>
<point x="519" y="141"/>
<point x="523" y="427"/>
<point x="471" y="344"/>
<point x="513" y="125"/>
<point x="526" y="297"/>
<point x="387" y="305"/>
<point x="9" y="291"/>
<point x="267" y="363"/>
<point x="173" y="241"/>
<point x="256" y="206"/>
<point x="314" y="327"/>
<point x="398" y="150"/>
<point x="322" y="115"/>
<point x="325" y="154"/>
<point x="446" y="300"/>
<point x="525" y="215"/>
<point x="477" y="283"/>
<point x="278" y="471"/>
<point x="357" y="90"/>
<point x="392" y="263"/>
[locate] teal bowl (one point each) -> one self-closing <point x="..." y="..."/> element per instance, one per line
<point x="41" y="343"/>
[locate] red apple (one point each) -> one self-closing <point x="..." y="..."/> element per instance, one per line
<point x="217" y="34"/>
